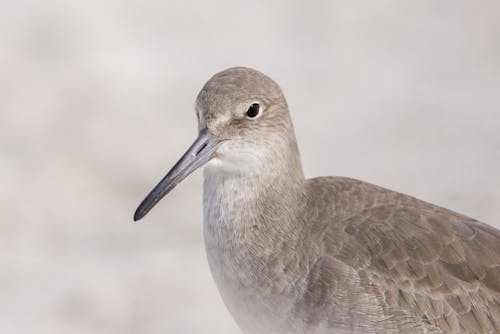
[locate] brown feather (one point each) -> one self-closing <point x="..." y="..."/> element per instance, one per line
<point x="426" y="261"/>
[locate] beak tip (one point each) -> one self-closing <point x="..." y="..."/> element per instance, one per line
<point x="138" y="215"/>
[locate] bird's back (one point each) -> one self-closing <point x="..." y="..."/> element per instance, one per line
<point x="387" y="262"/>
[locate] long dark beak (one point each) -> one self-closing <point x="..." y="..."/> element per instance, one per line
<point x="196" y="156"/>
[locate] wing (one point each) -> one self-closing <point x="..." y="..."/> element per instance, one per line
<point x="430" y="263"/>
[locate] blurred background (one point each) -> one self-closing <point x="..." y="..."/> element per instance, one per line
<point x="96" y="104"/>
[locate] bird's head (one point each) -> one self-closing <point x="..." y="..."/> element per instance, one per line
<point x="244" y="129"/>
<point x="247" y="113"/>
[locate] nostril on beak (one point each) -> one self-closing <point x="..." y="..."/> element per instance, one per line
<point x="201" y="149"/>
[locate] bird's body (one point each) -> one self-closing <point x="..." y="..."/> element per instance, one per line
<point x="330" y="254"/>
<point x="357" y="258"/>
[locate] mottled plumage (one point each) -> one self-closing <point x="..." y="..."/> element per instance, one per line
<point x="330" y="254"/>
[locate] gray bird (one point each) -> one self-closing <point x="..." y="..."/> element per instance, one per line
<point x="329" y="254"/>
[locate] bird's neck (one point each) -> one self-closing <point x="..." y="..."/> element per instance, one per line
<point x="253" y="194"/>
<point x="252" y="229"/>
<point x="233" y="202"/>
<point x="249" y="237"/>
<point x="245" y="208"/>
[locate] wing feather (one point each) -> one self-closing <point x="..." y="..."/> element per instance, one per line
<point x="429" y="264"/>
<point x="437" y="267"/>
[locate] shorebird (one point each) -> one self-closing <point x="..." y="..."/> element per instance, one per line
<point x="329" y="254"/>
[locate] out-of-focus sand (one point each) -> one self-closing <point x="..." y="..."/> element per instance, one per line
<point x="96" y="103"/>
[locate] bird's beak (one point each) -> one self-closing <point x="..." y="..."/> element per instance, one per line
<point x="197" y="155"/>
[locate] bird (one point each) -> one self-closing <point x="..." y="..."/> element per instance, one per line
<point x="327" y="254"/>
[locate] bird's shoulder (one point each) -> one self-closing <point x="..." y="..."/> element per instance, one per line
<point x="432" y="263"/>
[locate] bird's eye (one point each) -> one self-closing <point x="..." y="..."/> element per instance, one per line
<point x="253" y="111"/>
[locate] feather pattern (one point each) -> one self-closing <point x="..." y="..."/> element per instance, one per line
<point x="438" y="268"/>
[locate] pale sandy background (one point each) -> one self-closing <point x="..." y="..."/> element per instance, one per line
<point x="96" y="103"/>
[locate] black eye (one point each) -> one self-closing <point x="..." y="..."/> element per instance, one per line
<point x="253" y="111"/>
